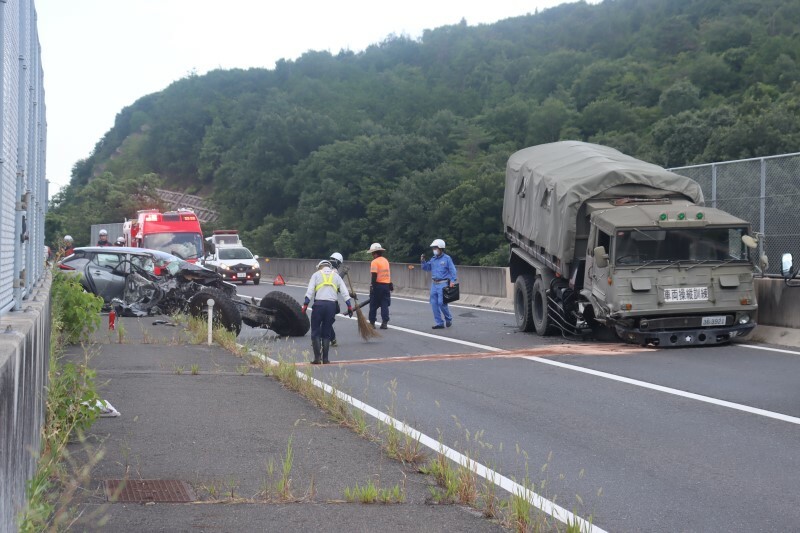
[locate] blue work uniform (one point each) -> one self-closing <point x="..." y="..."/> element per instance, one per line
<point x="443" y="272"/>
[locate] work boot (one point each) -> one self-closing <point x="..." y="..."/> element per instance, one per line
<point x="316" y="345"/>
<point x="384" y="325"/>
<point x="372" y="324"/>
<point x="325" y="347"/>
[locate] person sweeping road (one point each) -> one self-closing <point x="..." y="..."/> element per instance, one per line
<point x="443" y="273"/>
<point x="324" y="288"/>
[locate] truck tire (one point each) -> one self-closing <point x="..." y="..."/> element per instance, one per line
<point x="256" y="281"/>
<point x="290" y="321"/>
<point x="541" y="317"/>
<point x="226" y="313"/>
<point x="523" y="292"/>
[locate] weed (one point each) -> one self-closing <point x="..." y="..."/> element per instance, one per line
<point x="371" y="493"/>
<point x="243" y="369"/>
<point x="285" y="483"/>
<point x="69" y="411"/>
<point x="195" y="370"/>
<point x="178" y="369"/>
<point x="120" y="329"/>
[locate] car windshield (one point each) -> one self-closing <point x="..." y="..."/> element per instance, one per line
<point x="182" y="245"/>
<point x="170" y="263"/>
<point x="235" y="253"/>
<point x="637" y="247"/>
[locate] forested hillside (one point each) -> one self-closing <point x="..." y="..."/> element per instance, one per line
<point x="407" y="140"/>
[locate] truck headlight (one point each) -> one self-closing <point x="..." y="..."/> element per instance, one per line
<point x="744" y="319"/>
<point x="223" y="266"/>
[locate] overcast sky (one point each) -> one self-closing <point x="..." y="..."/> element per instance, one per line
<point x="99" y="56"/>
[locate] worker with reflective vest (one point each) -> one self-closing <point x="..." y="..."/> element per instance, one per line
<point x="381" y="286"/>
<point x="443" y="273"/>
<point x="336" y="260"/>
<point x="324" y="288"/>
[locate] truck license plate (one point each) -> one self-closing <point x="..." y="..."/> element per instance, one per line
<point x="713" y="321"/>
<point x="686" y="294"/>
<point x="241" y="275"/>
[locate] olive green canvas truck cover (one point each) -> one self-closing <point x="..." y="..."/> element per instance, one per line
<point x="546" y="186"/>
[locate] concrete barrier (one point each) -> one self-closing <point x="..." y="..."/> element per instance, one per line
<point x="491" y="286"/>
<point x="489" y="282"/>
<point x="24" y="361"/>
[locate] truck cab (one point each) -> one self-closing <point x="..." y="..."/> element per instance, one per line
<point x="174" y="232"/>
<point x="669" y="273"/>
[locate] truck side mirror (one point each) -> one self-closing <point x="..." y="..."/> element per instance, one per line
<point x="763" y="262"/>
<point x="600" y="257"/>
<point x="787" y="262"/>
<point x="750" y="242"/>
<point x="255" y="257"/>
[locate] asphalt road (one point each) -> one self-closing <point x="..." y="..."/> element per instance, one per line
<point x="694" y="439"/>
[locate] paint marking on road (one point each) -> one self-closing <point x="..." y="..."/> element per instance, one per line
<point x="767" y="348"/>
<point x="551" y="508"/>
<point x="669" y="390"/>
<point x="545" y="351"/>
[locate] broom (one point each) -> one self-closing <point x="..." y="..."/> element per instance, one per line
<point x="364" y="328"/>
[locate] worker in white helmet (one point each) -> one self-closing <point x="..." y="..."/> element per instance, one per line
<point x="68" y="247"/>
<point x="443" y="273"/>
<point x="103" y="240"/>
<point x="324" y="288"/>
<point x="336" y="261"/>
<point x="380" y="289"/>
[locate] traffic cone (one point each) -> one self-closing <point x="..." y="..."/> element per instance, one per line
<point x="279" y="280"/>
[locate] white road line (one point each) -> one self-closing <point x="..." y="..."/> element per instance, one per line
<point x="622" y="379"/>
<point x="472" y="308"/>
<point x="668" y="390"/>
<point x="541" y="503"/>
<point x="767" y="348"/>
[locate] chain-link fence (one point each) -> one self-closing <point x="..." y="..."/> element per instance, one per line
<point x="765" y="191"/>
<point x="23" y="131"/>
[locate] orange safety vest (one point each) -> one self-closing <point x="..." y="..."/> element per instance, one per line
<point x="380" y="265"/>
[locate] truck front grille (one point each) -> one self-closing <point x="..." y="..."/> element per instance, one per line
<point x="677" y="322"/>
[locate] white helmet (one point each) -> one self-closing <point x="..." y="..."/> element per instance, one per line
<point x="323" y="263"/>
<point x="67" y="238"/>
<point x="103" y="233"/>
<point x="120" y="241"/>
<point x="337" y="257"/>
<point x="437" y="243"/>
<point x="376" y="247"/>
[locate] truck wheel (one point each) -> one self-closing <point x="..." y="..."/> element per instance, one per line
<point x="523" y="290"/>
<point x="541" y="318"/>
<point x="256" y="281"/>
<point x="226" y="313"/>
<point x="290" y="320"/>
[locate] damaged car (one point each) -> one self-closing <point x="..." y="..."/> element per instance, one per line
<point x="143" y="282"/>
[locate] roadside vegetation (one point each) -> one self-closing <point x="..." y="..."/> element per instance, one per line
<point x="70" y="410"/>
<point x="452" y="483"/>
<point x="410" y="137"/>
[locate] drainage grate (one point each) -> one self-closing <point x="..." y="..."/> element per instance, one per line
<point x="148" y="490"/>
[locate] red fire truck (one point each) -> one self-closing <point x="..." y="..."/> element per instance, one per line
<point x="175" y="232"/>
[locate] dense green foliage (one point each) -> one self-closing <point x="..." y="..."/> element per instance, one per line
<point x="407" y="141"/>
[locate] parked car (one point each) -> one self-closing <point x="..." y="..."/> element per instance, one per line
<point x="234" y="263"/>
<point x="142" y="282"/>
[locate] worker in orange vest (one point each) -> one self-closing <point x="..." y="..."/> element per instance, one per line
<point x="381" y="287"/>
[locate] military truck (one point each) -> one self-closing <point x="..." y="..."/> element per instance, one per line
<point x="605" y="244"/>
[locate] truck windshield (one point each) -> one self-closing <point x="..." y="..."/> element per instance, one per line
<point x="640" y="246"/>
<point x="181" y="245"/>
